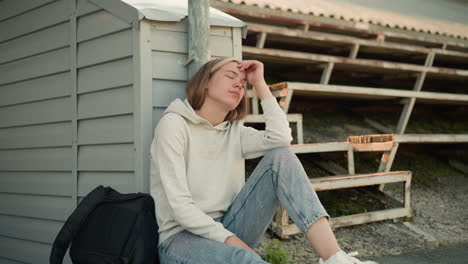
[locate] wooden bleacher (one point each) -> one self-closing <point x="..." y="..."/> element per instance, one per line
<point x="281" y="224"/>
<point x="384" y="143"/>
<point x="322" y="58"/>
<point x="365" y="143"/>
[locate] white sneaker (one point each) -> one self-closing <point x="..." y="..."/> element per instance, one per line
<point x="341" y="257"/>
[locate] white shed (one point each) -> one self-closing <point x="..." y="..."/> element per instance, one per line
<point x="82" y="85"/>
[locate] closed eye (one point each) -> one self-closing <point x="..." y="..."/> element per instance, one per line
<point x="243" y="81"/>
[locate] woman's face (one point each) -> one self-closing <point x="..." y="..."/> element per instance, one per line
<point x="227" y="86"/>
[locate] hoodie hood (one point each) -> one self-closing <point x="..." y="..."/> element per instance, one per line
<point x="184" y="109"/>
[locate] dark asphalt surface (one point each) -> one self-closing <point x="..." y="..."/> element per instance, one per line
<point x="451" y="255"/>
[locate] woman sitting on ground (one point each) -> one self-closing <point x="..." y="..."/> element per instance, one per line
<point x="205" y="210"/>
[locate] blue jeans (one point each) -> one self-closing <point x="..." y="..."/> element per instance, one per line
<point x="279" y="178"/>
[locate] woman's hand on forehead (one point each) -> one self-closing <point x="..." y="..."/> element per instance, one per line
<point x="254" y="71"/>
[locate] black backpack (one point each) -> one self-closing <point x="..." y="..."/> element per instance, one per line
<point x="109" y="227"/>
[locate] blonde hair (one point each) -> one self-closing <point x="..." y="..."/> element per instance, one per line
<point x="197" y="88"/>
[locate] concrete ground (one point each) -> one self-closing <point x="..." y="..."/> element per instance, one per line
<point x="451" y="255"/>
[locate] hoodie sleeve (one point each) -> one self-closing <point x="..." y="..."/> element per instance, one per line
<point x="277" y="133"/>
<point x="167" y="152"/>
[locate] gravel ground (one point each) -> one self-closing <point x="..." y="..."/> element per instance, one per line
<point x="440" y="208"/>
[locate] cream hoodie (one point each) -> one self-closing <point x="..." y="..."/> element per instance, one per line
<point x="197" y="169"/>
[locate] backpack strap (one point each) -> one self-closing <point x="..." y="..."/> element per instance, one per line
<point x="74" y="221"/>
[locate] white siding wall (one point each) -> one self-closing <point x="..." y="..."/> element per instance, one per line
<point x="42" y="177"/>
<point x="37" y="185"/>
<point x="169" y="46"/>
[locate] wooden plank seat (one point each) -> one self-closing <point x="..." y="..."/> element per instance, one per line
<point x="270" y="55"/>
<point x="283" y="229"/>
<point x="305" y="90"/>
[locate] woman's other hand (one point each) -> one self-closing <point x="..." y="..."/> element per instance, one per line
<point x="237" y="242"/>
<point x="255" y="76"/>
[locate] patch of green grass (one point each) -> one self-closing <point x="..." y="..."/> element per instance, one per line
<point x="276" y="254"/>
<point x="405" y="219"/>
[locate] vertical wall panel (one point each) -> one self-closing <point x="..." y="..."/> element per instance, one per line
<point x="105" y="100"/>
<point x="35" y="113"/>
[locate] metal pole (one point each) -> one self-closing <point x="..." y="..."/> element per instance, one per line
<point x="198" y="35"/>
